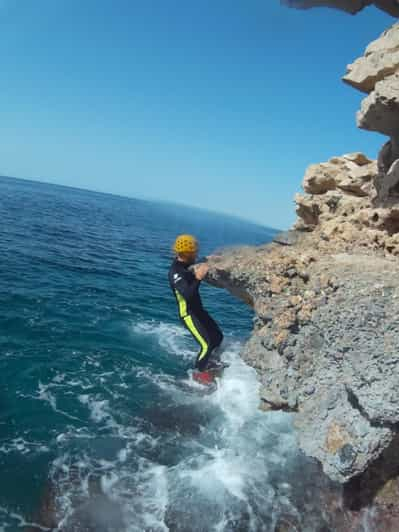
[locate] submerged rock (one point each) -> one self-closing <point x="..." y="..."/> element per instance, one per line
<point x="90" y="512"/>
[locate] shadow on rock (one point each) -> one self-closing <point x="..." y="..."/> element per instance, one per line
<point x="378" y="488"/>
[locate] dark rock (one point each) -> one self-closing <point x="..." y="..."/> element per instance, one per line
<point x="350" y="6"/>
<point x="287" y="238"/>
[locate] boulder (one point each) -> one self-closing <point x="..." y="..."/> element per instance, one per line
<point x="380" y="110"/>
<point x="320" y="178"/>
<point x="377" y="73"/>
<point x="380" y="60"/>
<point x="349" y="172"/>
<point x="337" y="191"/>
<point x="360" y="205"/>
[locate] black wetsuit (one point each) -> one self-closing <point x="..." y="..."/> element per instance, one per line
<point x="197" y="320"/>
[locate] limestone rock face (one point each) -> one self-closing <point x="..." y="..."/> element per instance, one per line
<point x="380" y="110"/>
<point x="350" y="6"/>
<point x="377" y="73"/>
<point x="380" y="60"/>
<point x="325" y="295"/>
<point x="326" y="300"/>
<point x="349" y="203"/>
<point x="352" y="173"/>
<point x="325" y="344"/>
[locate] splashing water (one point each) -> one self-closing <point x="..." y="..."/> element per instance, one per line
<point x="192" y="460"/>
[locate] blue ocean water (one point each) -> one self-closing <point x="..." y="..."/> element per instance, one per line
<point x="101" y="427"/>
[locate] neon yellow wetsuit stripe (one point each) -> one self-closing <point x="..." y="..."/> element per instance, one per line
<point x="188" y="320"/>
<point x="182" y="304"/>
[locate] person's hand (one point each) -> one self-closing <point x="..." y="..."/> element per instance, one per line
<point x="201" y="270"/>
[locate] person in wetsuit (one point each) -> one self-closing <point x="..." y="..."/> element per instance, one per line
<point x="185" y="285"/>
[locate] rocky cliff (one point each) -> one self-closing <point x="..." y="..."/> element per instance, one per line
<point x="326" y="300"/>
<point x="350" y="6"/>
<point x="377" y="74"/>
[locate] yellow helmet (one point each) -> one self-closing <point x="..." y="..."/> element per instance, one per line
<point x="185" y="244"/>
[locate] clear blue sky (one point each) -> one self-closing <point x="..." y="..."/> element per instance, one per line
<point x="215" y="103"/>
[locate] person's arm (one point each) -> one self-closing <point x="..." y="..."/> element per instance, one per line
<point x="187" y="282"/>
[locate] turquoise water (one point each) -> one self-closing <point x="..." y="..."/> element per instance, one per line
<point x="101" y="426"/>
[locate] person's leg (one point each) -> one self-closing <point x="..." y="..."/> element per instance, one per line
<point x="213" y="329"/>
<point x="214" y="336"/>
<point x="200" y="333"/>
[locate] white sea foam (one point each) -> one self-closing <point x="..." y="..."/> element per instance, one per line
<point x="237" y="393"/>
<point x="209" y="458"/>
<point x="44" y="394"/>
<point x="21" y="446"/>
<point x="19" y="520"/>
<point x="173" y="338"/>
<point x="99" y="409"/>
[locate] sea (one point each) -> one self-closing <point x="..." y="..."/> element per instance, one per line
<point x="101" y="426"/>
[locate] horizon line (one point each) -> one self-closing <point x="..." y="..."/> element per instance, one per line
<point x="146" y="199"/>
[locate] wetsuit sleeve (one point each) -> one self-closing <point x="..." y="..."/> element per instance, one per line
<point x="186" y="284"/>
